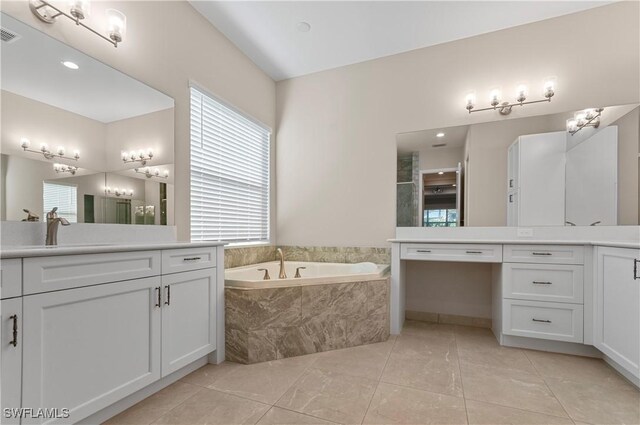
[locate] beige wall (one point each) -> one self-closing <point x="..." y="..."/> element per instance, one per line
<point x="436" y="158"/>
<point x="628" y="158"/>
<point x="336" y="129"/>
<point x="169" y="44"/>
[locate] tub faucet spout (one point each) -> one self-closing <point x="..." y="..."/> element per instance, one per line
<point x="282" y="274"/>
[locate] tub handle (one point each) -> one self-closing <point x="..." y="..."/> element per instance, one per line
<point x="266" y="274"/>
<point x="298" y="271"/>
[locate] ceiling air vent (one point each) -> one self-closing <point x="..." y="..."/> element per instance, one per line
<point x="8" y="36"/>
<point x="439" y="145"/>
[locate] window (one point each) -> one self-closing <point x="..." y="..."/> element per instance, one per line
<point x="63" y="196"/>
<point x="440" y="218"/>
<point x="229" y="173"/>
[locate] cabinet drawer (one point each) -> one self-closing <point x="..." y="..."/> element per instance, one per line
<point x="182" y="260"/>
<point x="543" y="282"/>
<point x="547" y="254"/>
<point x="10" y="278"/>
<point x="72" y="271"/>
<point x="482" y="253"/>
<point x="536" y="319"/>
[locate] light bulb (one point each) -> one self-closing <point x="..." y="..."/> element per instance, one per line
<point x="61" y="150"/>
<point x="130" y="192"/>
<point x="76" y="154"/>
<point x="150" y="153"/>
<point x="471" y="101"/>
<point x="56" y="167"/>
<point x="140" y="154"/>
<point x="147" y="170"/>
<point x="133" y="156"/>
<point x="125" y="156"/>
<point x="572" y="125"/>
<point x="440" y="134"/>
<point x="44" y="147"/>
<point x="116" y="25"/>
<point x="25" y="143"/>
<point x="521" y="93"/>
<point x="166" y="173"/>
<point x="80" y="9"/>
<point x="581" y="117"/>
<point x="549" y="87"/>
<point x="494" y="97"/>
<point x="590" y="113"/>
<point x="156" y="172"/>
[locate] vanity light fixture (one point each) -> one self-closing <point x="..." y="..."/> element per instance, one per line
<point x="149" y="173"/>
<point x="522" y="93"/>
<point x="79" y="10"/>
<point x="581" y="119"/>
<point x="44" y="150"/>
<point x="139" y="156"/>
<point x="118" y="192"/>
<point x="62" y="168"/>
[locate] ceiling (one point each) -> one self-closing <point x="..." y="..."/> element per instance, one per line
<point x="454" y="137"/>
<point x="347" y="32"/>
<point x="31" y="67"/>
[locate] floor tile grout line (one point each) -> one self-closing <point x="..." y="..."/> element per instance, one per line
<point x="304" y="414"/>
<point x="546" y="384"/>
<point x="523" y="410"/>
<point x="174" y="407"/>
<point x="464" y="397"/>
<point x="379" y="380"/>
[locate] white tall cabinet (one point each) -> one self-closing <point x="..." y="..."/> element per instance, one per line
<point x="536" y="180"/>
<point x="617" y="306"/>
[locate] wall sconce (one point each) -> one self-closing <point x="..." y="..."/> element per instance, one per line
<point x="44" y="150"/>
<point x="62" y="168"/>
<point x="522" y="93"/>
<point x="581" y="119"/>
<point x="149" y="173"/>
<point x="139" y="156"/>
<point x="118" y="192"/>
<point x="79" y="10"/>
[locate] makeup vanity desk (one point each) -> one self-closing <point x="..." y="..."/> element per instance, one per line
<point x="571" y="290"/>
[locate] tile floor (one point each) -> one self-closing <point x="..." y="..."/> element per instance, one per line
<point x="431" y="374"/>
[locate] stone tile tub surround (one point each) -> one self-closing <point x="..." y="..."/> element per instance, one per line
<point x="275" y="323"/>
<point x="243" y="256"/>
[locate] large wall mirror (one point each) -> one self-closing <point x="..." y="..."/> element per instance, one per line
<point x="81" y="136"/>
<point x="534" y="171"/>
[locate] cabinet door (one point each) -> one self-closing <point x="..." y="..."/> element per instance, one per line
<point x="87" y="348"/>
<point x="617" y="328"/>
<point x="11" y="358"/>
<point x="513" y="161"/>
<point x="188" y="318"/>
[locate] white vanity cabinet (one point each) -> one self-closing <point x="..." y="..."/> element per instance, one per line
<point x="94" y="329"/>
<point x="86" y="348"/>
<point x="617" y="307"/>
<point x="535" y="180"/>
<point x="188" y="318"/>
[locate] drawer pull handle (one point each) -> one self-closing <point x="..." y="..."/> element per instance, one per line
<point x="541" y="320"/>
<point x="635" y="269"/>
<point x="192" y="259"/>
<point x="474" y="252"/>
<point x="538" y="282"/>
<point x="168" y="301"/>
<point x="158" y="299"/>
<point x="14" y="341"/>
<point x="424" y="250"/>
<point x="541" y="253"/>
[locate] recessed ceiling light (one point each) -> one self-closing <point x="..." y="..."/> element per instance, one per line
<point x="70" y="65"/>
<point x="303" y="26"/>
<point x="440" y="134"/>
<point x="441" y="172"/>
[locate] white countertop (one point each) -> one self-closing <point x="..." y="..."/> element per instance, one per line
<point x="7" y="251"/>
<point x="618" y="244"/>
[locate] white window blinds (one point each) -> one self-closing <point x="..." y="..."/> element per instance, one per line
<point x="229" y="173"/>
<point x="64" y="197"/>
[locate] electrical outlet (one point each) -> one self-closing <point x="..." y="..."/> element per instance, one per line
<point x="524" y="232"/>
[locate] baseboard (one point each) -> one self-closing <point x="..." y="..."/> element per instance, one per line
<point x="122" y="405"/>
<point x="625" y="374"/>
<point x="550" y="346"/>
<point x="450" y="319"/>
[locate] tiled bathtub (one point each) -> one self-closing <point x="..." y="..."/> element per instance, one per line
<point x="271" y="323"/>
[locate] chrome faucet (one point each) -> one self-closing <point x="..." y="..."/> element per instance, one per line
<point x="282" y="274"/>
<point x="53" y="221"/>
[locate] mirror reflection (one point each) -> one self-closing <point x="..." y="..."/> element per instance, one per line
<point x="536" y="171"/>
<point x="81" y="136"/>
